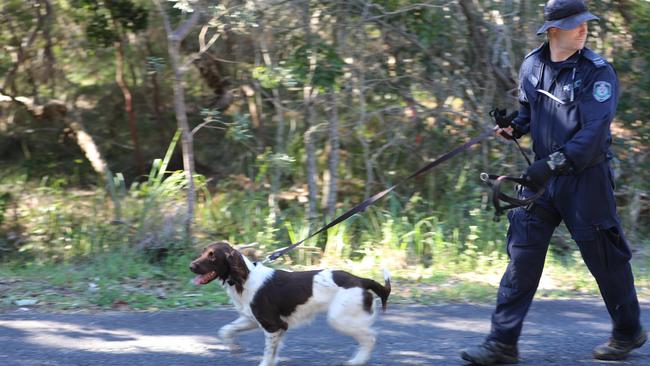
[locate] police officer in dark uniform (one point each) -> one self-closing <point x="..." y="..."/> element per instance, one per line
<point x="568" y="96"/>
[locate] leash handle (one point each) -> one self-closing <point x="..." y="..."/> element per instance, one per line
<point x="504" y="120"/>
<point x="495" y="181"/>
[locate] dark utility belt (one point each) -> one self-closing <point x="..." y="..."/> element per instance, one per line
<point x="549" y="216"/>
<point x="597" y="160"/>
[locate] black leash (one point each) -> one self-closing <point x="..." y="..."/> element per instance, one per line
<point x="363" y="205"/>
<point x="521" y="150"/>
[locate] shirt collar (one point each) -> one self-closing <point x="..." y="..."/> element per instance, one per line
<point x="568" y="63"/>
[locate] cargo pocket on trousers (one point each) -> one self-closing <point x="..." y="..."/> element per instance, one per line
<point x="610" y="246"/>
<point x="615" y="248"/>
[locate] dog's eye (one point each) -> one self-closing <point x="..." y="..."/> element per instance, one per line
<point x="211" y="254"/>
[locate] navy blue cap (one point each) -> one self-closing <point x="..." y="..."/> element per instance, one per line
<point x="565" y="14"/>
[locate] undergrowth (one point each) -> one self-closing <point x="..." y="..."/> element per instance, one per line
<point x="62" y="247"/>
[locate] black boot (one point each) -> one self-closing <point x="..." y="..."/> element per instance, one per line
<point x="619" y="350"/>
<point x="490" y="353"/>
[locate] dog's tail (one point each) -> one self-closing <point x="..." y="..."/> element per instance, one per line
<point x="377" y="288"/>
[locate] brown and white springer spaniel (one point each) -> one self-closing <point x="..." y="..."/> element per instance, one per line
<point x="277" y="300"/>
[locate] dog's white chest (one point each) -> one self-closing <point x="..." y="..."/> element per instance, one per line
<point x="258" y="276"/>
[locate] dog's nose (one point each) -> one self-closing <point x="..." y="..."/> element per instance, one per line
<point x="192" y="266"/>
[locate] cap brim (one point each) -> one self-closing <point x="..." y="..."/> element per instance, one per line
<point x="568" y="22"/>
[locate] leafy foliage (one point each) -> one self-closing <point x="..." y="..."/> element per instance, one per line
<point x="406" y="81"/>
<point x="327" y="68"/>
<point x="101" y="19"/>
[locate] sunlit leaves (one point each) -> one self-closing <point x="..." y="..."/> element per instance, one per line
<point x="237" y="127"/>
<point x="317" y="64"/>
<point x="235" y="19"/>
<point x="270" y="77"/>
<point x="186" y="6"/>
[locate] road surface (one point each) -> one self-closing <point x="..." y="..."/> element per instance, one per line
<point x="557" y="332"/>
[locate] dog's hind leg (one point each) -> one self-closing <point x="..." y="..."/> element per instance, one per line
<point x="366" y="338"/>
<point x="228" y="332"/>
<point x="347" y="315"/>
<point x="271" y="347"/>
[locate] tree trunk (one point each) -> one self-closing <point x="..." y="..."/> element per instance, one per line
<point x="310" y="150"/>
<point x="359" y="125"/>
<point x="128" y="104"/>
<point x="333" y="161"/>
<point x="255" y="112"/>
<point x="276" y="174"/>
<point x="174" y="38"/>
<point x="152" y="72"/>
<point x="22" y="47"/>
<point x="186" y="136"/>
<point x="157" y="108"/>
<point x="309" y="95"/>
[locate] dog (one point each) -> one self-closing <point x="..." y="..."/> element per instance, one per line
<point x="278" y="300"/>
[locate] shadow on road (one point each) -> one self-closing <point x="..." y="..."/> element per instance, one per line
<point x="556" y="333"/>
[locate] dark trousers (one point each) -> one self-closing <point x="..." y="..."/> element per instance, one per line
<point x="602" y="244"/>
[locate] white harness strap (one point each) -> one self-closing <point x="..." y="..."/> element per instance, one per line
<point x="551" y="96"/>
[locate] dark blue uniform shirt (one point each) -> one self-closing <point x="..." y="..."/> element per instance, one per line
<point x="568" y="106"/>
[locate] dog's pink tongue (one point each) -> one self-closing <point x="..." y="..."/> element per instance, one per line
<point x="197" y="280"/>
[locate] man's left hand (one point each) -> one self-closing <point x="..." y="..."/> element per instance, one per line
<point x="538" y="173"/>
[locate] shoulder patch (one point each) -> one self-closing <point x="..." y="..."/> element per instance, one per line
<point x="602" y="91"/>
<point x="595" y="58"/>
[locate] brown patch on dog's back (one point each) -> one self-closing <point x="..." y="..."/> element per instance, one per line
<point x="280" y="296"/>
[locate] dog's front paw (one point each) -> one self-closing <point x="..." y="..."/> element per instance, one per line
<point x="235" y="348"/>
<point x="232" y="346"/>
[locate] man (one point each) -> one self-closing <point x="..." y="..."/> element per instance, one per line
<point x="568" y="97"/>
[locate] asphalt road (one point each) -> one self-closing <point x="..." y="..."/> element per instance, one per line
<point x="558" y="332"/>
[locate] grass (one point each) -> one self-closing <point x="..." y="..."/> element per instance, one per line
<point x="110" y="282"/>
<point x="127" y="281"/>
<point x="66" y="253"/>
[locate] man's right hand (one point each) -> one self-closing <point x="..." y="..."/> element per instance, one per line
<point x="505" y="133"/>
<point x="503" y="122"/>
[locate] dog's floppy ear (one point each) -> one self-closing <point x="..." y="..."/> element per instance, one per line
<point x="238" y="270"/>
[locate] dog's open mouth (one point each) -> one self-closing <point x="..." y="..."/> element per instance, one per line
<point x="203" y="279"/>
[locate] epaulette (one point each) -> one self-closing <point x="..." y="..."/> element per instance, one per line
<point x="595" y="58"/>
<point x="536" y="50"/>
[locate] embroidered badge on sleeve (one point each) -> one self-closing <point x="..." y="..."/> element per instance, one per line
<point x="602" y="91"/>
